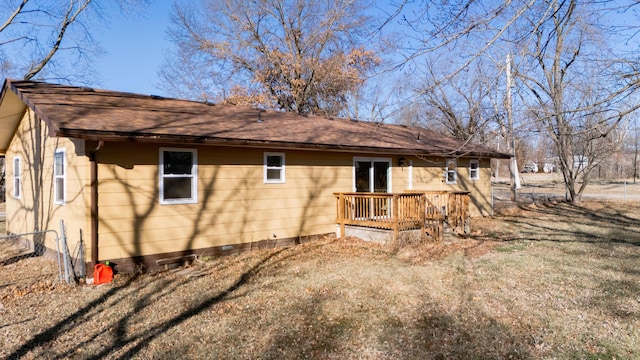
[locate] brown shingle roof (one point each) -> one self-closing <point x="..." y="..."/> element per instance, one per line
<point x="93" y="114"/>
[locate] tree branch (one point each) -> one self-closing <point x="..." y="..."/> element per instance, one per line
<point x="69" y="18"/>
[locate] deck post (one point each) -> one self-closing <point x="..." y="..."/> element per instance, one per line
<point x="396" y="218"/>
<point x="341" y="214"/>
<point x="423" y="215"/>
<point x="467" y="215"/>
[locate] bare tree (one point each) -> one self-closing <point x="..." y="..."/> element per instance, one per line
<point x="580" y="90"/>
<point x="300" y="56"/>
<point x="630" y="150"/>
<point x="636" y="148"/>
<point x="576" y="85"/>
<point x="51" y="39"/>
<point x="462" y="105"/>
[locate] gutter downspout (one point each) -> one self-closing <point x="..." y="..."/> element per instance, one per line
<point x="94" y="203"/>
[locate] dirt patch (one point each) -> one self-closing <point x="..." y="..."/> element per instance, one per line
<point x="539" y="281"/>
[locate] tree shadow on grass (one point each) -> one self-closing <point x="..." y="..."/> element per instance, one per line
<point x="465" y="334"/>
<point x="309" y="333"/>
<point x="17" y="258"/>
<point x="429" y="331"/>
<point x="566" y="223"/>
<point x="11" y="251"/>
<point x="138" y="342"/>
<point x="63" y="325"/>
<point x="600" y="257"/>
<point x="141" y="340"/>
<point x="144" y="339"/>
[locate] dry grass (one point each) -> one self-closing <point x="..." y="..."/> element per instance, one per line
<point x="553" y="281"/>
<point x="541" y="185"/>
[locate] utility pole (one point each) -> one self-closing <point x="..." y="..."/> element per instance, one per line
<point x="635" y="156"/>
<point x="515" y="179"/>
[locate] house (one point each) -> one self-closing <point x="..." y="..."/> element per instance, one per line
<point x="141" y="178"/>
<point x="530" y="167"/>
<point x="580" y="163"/>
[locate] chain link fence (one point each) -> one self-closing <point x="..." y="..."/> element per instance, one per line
<point x="48" y="244"/>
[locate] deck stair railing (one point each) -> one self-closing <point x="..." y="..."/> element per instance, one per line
<point x="454" y="206"/>
<point x="458" y="215"/>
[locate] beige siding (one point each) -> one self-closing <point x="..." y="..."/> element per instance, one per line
<point x="35" y="209"/>
<point x="428" y="174"/>
<point x="234" y="204"/>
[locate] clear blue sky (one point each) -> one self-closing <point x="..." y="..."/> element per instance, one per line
<point x="135" y="47"/>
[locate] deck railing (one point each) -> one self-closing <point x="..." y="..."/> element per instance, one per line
<point x="396" y="212"/>
<point x="416" y="209"/>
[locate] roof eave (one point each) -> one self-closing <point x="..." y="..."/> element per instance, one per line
<point x="204" y="140"/>
<point x="53" y="129"/>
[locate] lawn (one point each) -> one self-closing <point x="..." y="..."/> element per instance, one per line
<point x="543" y="281"/>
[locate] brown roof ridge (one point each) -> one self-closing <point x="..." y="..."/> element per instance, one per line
<point x="92" y="89"/>
<point x="90" y="113"/>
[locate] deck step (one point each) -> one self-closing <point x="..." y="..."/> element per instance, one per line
<point x="450" y="235"/>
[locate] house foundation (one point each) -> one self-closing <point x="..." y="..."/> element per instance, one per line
<point x="379" y="236"/>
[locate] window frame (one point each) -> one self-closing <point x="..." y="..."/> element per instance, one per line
<point x="58" y="197"/>
<point x="17" y="178"/>
<point x="282" y="168"/>
<point x="454" y="171"/>
<point x="193" y="176"/>
<point x="476" y="170"/>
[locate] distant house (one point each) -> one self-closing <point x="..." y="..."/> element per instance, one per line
<point x="144" y="178"/>
<point x="530" y="167"/>
<point x="580" y="162"/>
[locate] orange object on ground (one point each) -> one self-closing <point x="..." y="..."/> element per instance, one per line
<point x="102" y="274"/>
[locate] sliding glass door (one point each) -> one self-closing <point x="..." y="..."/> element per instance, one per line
<point x="372" y="175"/>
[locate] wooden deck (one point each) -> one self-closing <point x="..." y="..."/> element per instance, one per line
<point x="425" y="210"/>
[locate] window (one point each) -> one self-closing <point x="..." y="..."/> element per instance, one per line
<point x="178" y="176"/>
<point x="474" y="169"/>
<point x="59" y="176"/>
<point x="273" y="168"/>
<point x="16" y="178"/>
<point x="451" y="175"/>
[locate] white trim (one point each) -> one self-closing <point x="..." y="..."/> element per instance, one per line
<point x="477" y="169"/>
<point x="17" y="178"/>
<point x="371" y="178"/>
<point x="455" y="171"/>
<point x="193" y="176"/>
<point x="58" y="198"/>
<point x="282" y="168"/>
